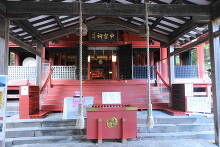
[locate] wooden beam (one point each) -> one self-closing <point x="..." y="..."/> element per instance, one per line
<point x="131" y="27"/>
<point x="39" y="48"/>
<point x="192" y="45"/>
<point x="215" y="13"/>
<point x="22" y="9"/>
<point x="2" y="7"/>
<point x="23" y="45"/>
<point x="27" y="27"/>
<point x="182" y="31"/>
<point x="58" y="22"/>
<point x="171" y="71"/>
<point x="214" y="44"/>
<point x="136" y="29"/>
<point x="4" y="50"/>
<point x="156" y="22"/>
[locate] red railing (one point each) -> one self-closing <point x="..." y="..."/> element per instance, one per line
<point x="48" y="79"/>
<point x="162" y="79"/>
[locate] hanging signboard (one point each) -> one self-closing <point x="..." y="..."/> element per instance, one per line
<point x="3" y="93"/>
<point x="103" y="36"/>
<point x="111" y="97"/>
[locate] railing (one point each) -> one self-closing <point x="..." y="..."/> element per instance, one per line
<point x="162" y="80"/>
<point x="64" y="72"/>
<point x="21" y="73"/>
<point x="186" y="71"/>
<point x="47" y="79"/>
<point x="160" y="77"/>
<point x="140" y="72"/>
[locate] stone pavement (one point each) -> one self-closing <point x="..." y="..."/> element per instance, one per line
<point x="144" y="143"/>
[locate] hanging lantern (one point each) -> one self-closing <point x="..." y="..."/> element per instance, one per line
<point x="114" y="58"/>
<point x="84" y="30"/>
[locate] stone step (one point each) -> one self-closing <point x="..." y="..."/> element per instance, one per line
<point x="169" y="128"/>
<point x="71" y="130"/>
<point x="43" y="131"/>
<point x="140" y="143"/>
<point x="209" y="135"/>
<point x="177" y="120"/>
<point x="71" y="122"/>
<point x="40" y="123"/>
<point x="43" y="139"/>
<point x="40" y="141"/>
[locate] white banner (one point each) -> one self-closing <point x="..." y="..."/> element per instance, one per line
<point x="3" y="103"/>
<point x="3" y="93"/>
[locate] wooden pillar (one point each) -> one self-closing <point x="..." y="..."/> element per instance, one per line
<point x="43" y="54"/>
<point x="64" y="56"/>
<point x="164" y="63"/>
<point x="151" y="58"/>
<point x="171" y="71"/>
<point x="17" y="59"/>
<point x="4" y="51"/>
<point x="201" y="61"/>
<point x="181" y="60"/>
<point x="215" y="74"/>
<point x="59" y="58"/>
<point x="39" y="64"/>
<point x="114" y="70"/>
<point x="51" y="58"/>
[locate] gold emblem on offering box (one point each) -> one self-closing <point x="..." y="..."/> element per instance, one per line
<point x="112" y="122"/>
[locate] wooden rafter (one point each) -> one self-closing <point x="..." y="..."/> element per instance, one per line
<point x="69" y="30"/>
<point x="140" y="30"/>
<point x="193" y="44"/>
<point x="23" y="45"/>
<point x="58" y="22"/>
<point x="41" y="20"/>
<point x="182" y="31"/>
<point x="27" y="27"/>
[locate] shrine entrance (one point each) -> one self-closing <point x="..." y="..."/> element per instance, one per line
<point x="101" y="67"/>
<point x="102" y="63"/>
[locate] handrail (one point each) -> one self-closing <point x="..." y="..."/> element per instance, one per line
<point x="47" y="79"/>
<point x="162" y="79"/>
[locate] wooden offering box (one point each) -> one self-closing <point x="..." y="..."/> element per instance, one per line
<point x="111" y="122"/>
<point x="29" y="101"/>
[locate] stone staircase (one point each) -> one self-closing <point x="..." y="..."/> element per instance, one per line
<point x="51" y="131"/>
<point x="12" y="107"/>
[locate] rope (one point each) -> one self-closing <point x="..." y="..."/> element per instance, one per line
<point x="80" y="124"/>
<point x="150" y="121"/>
<point x="80" y="49"/>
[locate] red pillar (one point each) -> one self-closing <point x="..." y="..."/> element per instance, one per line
<point x="51" y="59"/>
<point x="43" y="55"/>
<point x="201" y="61"/>
<point x="164" y="63"/>
<point x="181" y="60"/>
<point x="152" y="58"/>
<point x="64" y="56"/>
<point x="60" y="59"/>
<point x="17" y="59"/>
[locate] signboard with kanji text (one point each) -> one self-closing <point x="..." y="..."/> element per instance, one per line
<point x="103" y="36"/>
